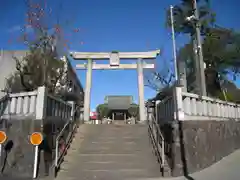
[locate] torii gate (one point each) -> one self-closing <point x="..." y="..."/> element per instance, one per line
<point x="114" y="63"/>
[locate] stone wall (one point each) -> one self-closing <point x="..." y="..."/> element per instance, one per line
<point x="19" y="162"/>
<point x="195" y="145"/>
<point x="21" y="156"/>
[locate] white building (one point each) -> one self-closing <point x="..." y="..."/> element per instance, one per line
<point x="72" y="85"/>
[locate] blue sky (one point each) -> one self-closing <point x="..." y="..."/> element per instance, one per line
<point x="108" y="25"/>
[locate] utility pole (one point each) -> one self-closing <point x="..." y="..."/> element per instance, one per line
<point x="174" y="45"/>
<point x="200" y="62"/>
<point x="179" y="66"/>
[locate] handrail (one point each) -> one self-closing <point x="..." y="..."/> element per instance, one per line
<point x="3" y="99"/>
<point x="159" y="144"/>
<point x="72" y="124"/>
<point x="63" y="129"/>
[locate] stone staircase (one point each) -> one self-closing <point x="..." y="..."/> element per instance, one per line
<point x="110" y="152"/>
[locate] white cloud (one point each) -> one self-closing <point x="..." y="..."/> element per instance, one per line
<point x="17" y="28"/>
<point x="14" y="29"/>
<point x="29" y="28"/>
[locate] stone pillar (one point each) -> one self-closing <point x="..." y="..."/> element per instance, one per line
<point x="113" y="117"/>
<point x="81" y="115"/>
<point x="87" y="95"/>
<point x="182" y="75"/>
<point x="141" y="90"/>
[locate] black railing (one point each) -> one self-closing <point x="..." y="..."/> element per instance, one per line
<point x="63" y="142"/>
<point x="157" y="140"/>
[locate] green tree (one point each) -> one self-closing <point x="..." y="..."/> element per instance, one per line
<point x="164" y="79"/>
<point x="230" y="92"/>
<point x="185" y="9"/>
<point x="221" y="51"/>
<point x="102" y="110"/>
<point x="220" y="45"/>
<point x="134" y="110"/>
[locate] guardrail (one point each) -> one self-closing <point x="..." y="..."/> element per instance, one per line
<point x="57" y="108"/>
<point x="157" y="140"/>
<point x="63" y="142"/>
<point x="165" y="109"/>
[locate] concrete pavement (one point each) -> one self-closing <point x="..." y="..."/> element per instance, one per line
<point x="226" y="169"/>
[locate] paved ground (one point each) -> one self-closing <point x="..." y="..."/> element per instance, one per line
<point x="6" y="177"/>
<point x="226" y="169"/>
<point x="110" y="152"/>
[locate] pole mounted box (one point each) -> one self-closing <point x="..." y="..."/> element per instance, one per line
<point x="114" y="59"/>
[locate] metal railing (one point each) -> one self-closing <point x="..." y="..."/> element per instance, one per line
<point x="3" y="103"/>
<point x="63" y="142"/>
<point x="157" y="140"/>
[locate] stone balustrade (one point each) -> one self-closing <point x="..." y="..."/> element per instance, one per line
<point x="189" y="106"/>
<point x="208" y="108"/>
<point x="36" y="104"/>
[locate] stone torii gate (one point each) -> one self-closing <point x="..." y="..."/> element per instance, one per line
<point x="114" y="63"/>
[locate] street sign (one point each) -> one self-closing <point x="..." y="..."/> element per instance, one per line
<point x="36" y="138"/>
<point x="3" y="137"/>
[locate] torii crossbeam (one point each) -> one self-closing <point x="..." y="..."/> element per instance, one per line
<point x="114" y="57"/>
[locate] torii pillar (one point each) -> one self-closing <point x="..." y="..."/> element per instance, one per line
<point x="114" y="58"/>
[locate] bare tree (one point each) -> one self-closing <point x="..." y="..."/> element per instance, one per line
<point x="160" y="77"/>
<point x="41" y="65"/>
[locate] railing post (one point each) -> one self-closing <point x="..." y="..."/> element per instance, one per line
<point x="56" y="158"/>
<point x="40" y="115"/>
<point x="73" y="120"/>
<point x="156" y="110"/>
<point x="72" y="110"/>
<point x="41" y="103"/>
<point x="163" y="152"/>
<point x="178" y="104"/>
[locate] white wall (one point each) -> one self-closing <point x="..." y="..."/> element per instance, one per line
<point x="8" y="66"/>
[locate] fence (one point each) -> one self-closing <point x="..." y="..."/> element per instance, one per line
<point x="187" y="106"/>
<point x="24" y="113"/>
<point x="36" y="104"/>
<point x="63" y="142"/>
<point x="19" y="105"/>
<point x="157" y="140"/>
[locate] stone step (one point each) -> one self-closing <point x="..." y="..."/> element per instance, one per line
<point x="118" y="174"/>
<point x="110" y="165"/>
<point x="114" y="152"/>
<point x="122" y="158"/>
